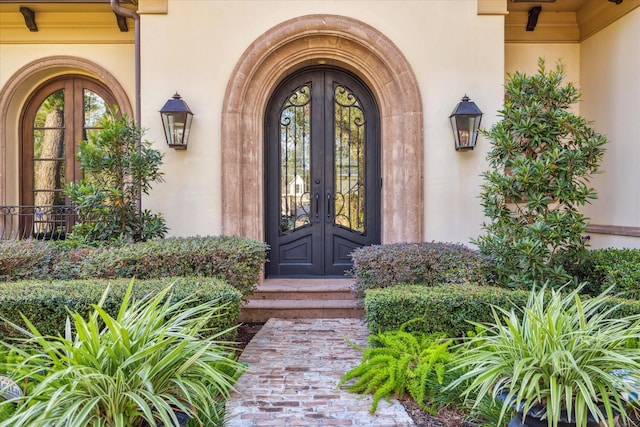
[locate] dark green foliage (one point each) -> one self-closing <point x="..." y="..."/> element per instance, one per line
<point x="445" y="308"/>
<point x="45" y="304"/>
<point x="6" y="411"/>
<point x="118" y="168"/>
<point x="614" y="269"/>
<point x="237" y="260"/>
<point x="448" y="309"/>
<point x="426" y="263"/>
<point x="26" y="259"/>
<point x="399" y="361"/>
<point x="541" y="160"/>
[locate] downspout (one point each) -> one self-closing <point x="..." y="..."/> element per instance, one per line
<point x="128" y="13"/>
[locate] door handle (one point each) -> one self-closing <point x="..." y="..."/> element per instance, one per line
<point x="328" y="205"/>
<point x="317" y="197"/>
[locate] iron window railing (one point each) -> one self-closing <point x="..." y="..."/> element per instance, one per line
<point x="36" y="222"/>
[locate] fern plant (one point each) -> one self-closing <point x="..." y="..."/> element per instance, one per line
<point x="399" y="361"/>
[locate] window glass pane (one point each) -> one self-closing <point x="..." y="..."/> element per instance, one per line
<point x="49" y="198"/>
<point x="48" y="179"/>
<point x="48" y="144"/>
<point x="295" y="160"/>
<point x="94" y="108"/>
<point x="349" y="160"/>
<point x="48" y="175"/>
<point x="48" y="127"/>
<point x="50" y="113"/>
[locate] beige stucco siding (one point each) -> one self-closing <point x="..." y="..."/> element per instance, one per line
<point x="523" y="57"/>
<point x="451" y="50"/>
<point x="610" y="82"/>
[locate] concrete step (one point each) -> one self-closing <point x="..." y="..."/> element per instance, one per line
<point x="301" y="299"/>
<point x="317" y="289"/>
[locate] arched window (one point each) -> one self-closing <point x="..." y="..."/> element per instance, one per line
<point x="58" y="115"/>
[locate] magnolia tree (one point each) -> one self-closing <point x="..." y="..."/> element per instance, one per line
<point x="118" y="168"/>
<point x="541" y="161"/>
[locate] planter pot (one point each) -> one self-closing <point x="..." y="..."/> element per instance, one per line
<point x="536" y="422"/>
<point x="183" y="420"/>
<point x="537" y="411"/>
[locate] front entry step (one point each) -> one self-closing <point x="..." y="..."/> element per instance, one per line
<point x="302" y="299"/>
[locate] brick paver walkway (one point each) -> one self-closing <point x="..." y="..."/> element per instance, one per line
<point x="294" y="368"/>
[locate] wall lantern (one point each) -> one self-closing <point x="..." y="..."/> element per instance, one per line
<point x="465" y="122"/>
<point x="176" y="120"/>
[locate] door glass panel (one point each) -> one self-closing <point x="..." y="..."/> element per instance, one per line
<point x="295" y="160"/>
<point x="48" y="150"/>
<point x="94" y="108"/>
<point x="48" y="175"/>
<point x="349" y="203"/>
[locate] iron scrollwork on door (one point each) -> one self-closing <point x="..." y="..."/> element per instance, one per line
<point x="348" y="198"/>
<point x="295" y="160"/>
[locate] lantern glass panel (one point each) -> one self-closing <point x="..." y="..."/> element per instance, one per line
<point x="174" y="127"/>
<point x="465" y="129"/>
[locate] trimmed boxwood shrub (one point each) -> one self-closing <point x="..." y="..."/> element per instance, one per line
<point x="425" y="263"/>
<point x="237" y="260"/>
<point x="445" y="308"/>
<point x="602" y="269"/>
<point x="26" y="259"/>
<point x="45" y="304"/>
<point x="449" y="308"/>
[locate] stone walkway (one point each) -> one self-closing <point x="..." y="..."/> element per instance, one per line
<point x="294" y="368"/>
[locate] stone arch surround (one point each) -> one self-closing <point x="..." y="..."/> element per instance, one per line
<point x="354" y="46"/>
<point x="20" y="85"/>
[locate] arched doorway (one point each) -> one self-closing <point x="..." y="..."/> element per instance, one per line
<point x="348" y="44"/>
<point x="322" y="168"/>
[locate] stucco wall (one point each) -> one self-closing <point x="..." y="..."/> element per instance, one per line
<point x="451" y="49"/>
<point x="610" y="61"/>
<point x="524" y="57"/>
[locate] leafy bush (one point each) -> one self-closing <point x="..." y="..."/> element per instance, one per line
<point x="614" y="269"/>
<point x="399" y="361"/>
<point x="379" y="266"/>
<point x="541" y="161"/>
<point x="153" y="360"/>
<point x="118" y="168"/>
<point x="560" y="354"/>
<point x="237" y="260"/>
<point x="46" y="303"/>
<point x="445" y="308"/>
<point x="449" y="308"/>
<point x="25" y="259"/>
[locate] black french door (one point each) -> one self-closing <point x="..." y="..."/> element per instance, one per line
<point x="322" y="166"/>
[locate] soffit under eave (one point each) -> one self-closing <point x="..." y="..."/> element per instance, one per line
<point x="566" y="27"/>
<point x="84" y="26"/>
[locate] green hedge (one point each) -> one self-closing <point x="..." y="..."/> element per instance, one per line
<point x="446" y="308"/>
<point x="604" y="268"/>
<point x="45" y="304"/>
<point x="425" y="263"/>
<point x="237" y="260"/>
<point x="27" y="259"/>
<point x="449" y="308"/>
